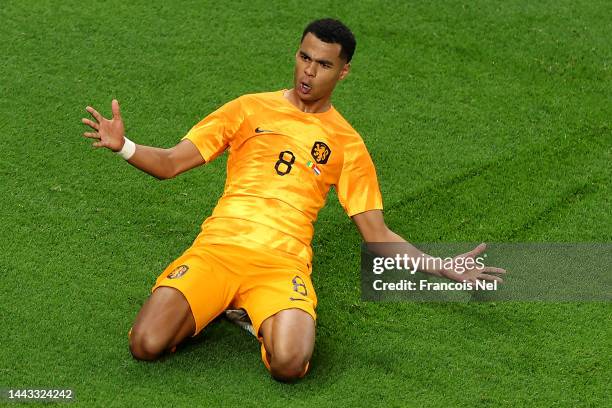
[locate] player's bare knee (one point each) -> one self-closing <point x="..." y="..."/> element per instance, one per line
<point x="288" y="372"/>
<point x="287" y="367"/>
<point x="145" y="346"/>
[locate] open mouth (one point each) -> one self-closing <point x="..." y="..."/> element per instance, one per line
<point x="304" y="88"/>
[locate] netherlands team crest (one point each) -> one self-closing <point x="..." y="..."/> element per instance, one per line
<point x="320" y="152"/>
<point x="178" y="272"/>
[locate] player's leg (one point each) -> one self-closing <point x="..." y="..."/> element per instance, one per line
<point x="278" y="295"/>
<point x="288" y="338"/>
<point x="162" y="323"/>
<point x="188" y="295"/>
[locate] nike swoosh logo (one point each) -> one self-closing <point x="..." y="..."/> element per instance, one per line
<point x="260" y="130"/>
<point x="292" y="298"/>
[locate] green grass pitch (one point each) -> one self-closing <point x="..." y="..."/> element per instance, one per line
<point x="487" y="121"/>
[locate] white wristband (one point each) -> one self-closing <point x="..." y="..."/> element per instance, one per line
<point x="128" y="149"/>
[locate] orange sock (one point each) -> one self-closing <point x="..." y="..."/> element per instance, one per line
<point x="264" y="357"/>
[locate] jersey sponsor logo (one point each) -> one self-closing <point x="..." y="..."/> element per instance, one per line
<point x="260" y="130"/>
<point x="178" y="272"/>
<point x="320" y="152"/>
<point x="299" y="286"/>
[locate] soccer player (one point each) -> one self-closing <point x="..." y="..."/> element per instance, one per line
<point x="286" y="149"/>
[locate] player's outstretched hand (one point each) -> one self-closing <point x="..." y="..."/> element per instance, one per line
<point x="109" y="133"/>
<point x="471" y="271"/>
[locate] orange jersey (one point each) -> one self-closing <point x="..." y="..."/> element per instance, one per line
<point x="282" y="163"/>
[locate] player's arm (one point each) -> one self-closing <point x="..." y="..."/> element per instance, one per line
<point x="372" y="227"/>
<point x="158" y="162"/>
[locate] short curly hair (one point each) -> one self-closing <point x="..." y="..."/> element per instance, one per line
<point x="333" y="31"/>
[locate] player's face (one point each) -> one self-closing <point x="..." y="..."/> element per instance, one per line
<point x="318" y="67"/>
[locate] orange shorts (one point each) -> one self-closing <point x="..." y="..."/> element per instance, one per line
<point x="215" y="277"/>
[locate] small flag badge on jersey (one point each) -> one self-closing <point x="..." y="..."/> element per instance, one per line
<point x="314" y="167"/>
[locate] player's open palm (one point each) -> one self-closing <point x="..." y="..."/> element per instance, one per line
<point x="466" y="268"/>
<point x="108" y="133"/>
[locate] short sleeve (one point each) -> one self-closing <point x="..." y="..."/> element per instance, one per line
<point x="213" y="134"/>
<point x="358" y="189"/>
